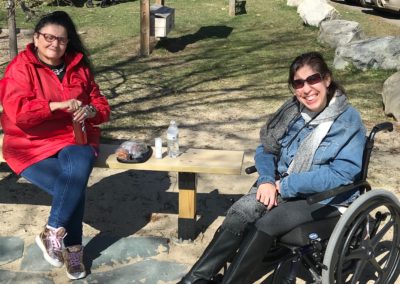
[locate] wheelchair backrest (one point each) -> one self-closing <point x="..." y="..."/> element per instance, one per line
<point x="369" y="144"/>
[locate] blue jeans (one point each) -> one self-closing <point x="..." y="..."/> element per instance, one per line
<point x="65" y="176"/>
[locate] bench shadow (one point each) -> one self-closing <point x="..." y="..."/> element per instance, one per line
<point x="179" y="43"/>
<point x="121" y="204"/>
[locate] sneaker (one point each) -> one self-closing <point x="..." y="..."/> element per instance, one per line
<point x="50" y="241"/>
<point x="73" y="259"/>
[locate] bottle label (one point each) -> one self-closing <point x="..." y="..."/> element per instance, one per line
<point x="172" y="136"/>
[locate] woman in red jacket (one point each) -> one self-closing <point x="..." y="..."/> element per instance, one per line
<point x="46" y="90"/>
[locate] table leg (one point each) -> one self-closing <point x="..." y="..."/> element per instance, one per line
<point x="187" y="206"/>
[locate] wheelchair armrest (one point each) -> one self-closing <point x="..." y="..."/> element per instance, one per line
<point x="336" y="191"/>
<point x="326" y="194"/>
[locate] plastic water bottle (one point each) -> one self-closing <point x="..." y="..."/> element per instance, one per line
<point x="173" y="140"/>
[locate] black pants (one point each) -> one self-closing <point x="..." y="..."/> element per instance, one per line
<point x="277" y="221"/>
<point x="290" y="214"/>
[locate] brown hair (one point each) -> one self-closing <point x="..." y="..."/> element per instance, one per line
<point x="318" y="64"/>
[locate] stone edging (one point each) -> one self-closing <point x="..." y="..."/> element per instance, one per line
<point x="24" y="32"/>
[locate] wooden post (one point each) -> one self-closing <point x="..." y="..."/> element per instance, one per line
<point x="12" y="30"/>
<point x="144" y="28"/>
<point x="187" y="206"/>
<point x="237" y="7"/>
<point x="232" y="7"/>
<point x="160" y="2"/>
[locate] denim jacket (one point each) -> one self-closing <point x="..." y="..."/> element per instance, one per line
<point x="337" y="161"/>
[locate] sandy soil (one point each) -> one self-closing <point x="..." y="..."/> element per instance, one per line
<point x="145" y="203"/>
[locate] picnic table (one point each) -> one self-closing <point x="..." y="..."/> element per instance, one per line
<point x="188" y="165"/>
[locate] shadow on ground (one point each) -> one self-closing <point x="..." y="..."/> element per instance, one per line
<point x="179" y="43"/>
<point x="121" y="204"/>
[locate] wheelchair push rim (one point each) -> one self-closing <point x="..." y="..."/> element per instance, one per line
<point x="365" y="243"/>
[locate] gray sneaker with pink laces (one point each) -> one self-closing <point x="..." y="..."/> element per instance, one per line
<point x="50" y="241"/>
<point x="73" y="259"/>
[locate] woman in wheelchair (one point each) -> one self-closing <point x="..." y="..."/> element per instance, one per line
<point x="313" y="142"/>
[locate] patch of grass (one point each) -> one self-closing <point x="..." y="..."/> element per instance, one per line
<point x="212" y="70"/>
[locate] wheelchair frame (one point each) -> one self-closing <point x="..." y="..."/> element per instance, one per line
<point x="348" y="248"/>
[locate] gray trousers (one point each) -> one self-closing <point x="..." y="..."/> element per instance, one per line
<point x="279" y="220"/>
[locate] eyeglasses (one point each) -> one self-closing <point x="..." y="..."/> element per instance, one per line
<point x="311" y="80"/>
<point x="51" y="38"/>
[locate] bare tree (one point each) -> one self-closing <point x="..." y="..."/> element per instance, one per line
<point x="12" y="30"/>
<point x="29" y="13"/>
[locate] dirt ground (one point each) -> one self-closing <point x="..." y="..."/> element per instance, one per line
<point x="145" y="203"/>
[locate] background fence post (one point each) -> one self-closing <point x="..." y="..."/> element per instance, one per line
<point x="232" y="7"/>
<point x="144" y="28"/>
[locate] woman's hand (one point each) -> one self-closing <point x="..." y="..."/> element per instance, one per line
<point x="83" y="113"/>
<point x="71" y="105"/>
<point x="267" y="194"/>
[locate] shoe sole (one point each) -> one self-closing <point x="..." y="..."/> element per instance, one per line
<point x="46" y="256"/>
<point x="79" y="276"/>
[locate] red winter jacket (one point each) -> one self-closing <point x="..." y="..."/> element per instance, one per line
<point x="31" y="131"/>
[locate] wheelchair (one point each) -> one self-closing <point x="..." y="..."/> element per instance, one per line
<point x="360" y="245"/>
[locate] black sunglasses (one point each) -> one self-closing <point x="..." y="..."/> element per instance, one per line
<point x="311" y="80"/>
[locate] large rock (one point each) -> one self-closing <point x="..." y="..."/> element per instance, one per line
<point x="374" y="53"/>
<point x="313" y="12"/>
<point x="294" y="3"/>
<point x="339" y="32"/>
<point x="391" y="96"/>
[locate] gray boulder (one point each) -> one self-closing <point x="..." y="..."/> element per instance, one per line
<point x="374" y="53"/>
<point x="339" y="32"/>
<point x="313" y="12"/>
<point x="391" y="96"/>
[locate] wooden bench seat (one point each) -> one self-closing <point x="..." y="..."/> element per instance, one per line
<point x="190" y="163"/>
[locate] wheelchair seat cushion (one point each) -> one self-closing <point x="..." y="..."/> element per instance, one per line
<point x="299" y="236"/>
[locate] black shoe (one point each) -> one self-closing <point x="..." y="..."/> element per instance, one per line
<point x="251" y="252"/>
<point x="223" y="245"/>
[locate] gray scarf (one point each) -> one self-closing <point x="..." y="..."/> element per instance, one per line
<point x="276" y="127"/>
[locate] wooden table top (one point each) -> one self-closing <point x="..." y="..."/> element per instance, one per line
<point x="191" y="160"/>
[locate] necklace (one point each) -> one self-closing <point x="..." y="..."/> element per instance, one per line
<point x="58" y="71"/>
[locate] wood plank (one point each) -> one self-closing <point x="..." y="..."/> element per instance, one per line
<point x="191" y="160"/>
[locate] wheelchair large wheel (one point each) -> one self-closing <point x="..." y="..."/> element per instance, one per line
<point x="365" y="244"/>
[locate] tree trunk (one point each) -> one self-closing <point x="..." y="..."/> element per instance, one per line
<point x="12" y="30"/>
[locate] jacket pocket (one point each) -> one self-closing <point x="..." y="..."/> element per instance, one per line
<point x="326" y="152"/>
